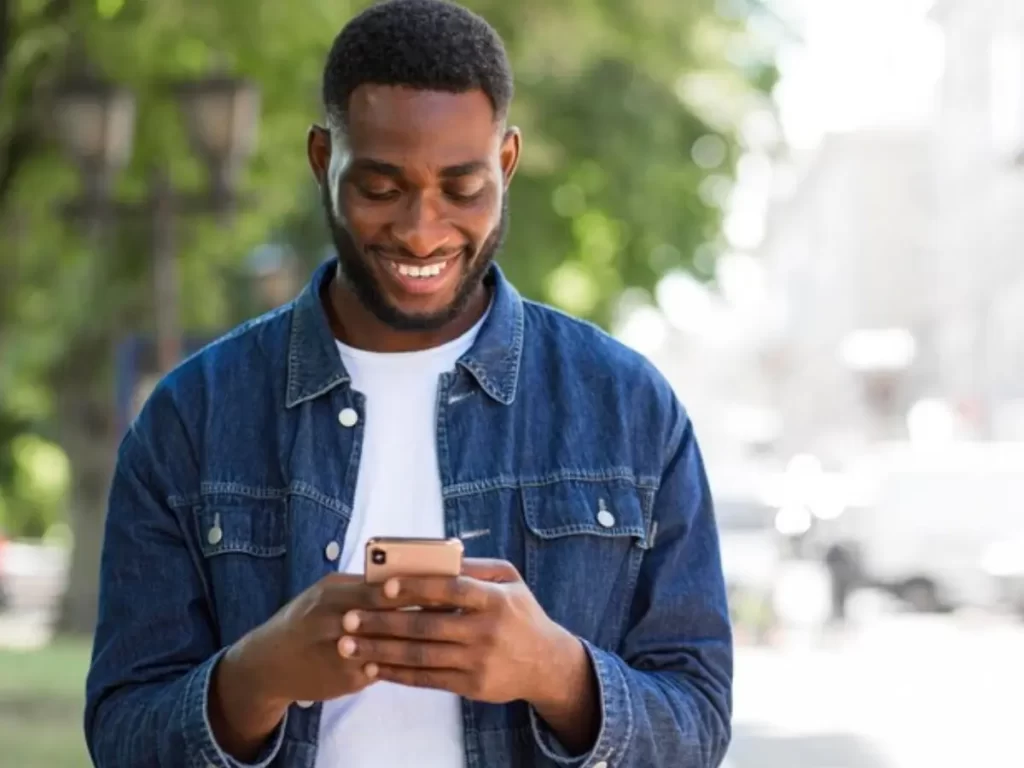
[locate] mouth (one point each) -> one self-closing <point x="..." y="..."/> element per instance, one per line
<point x="422" y="279"/>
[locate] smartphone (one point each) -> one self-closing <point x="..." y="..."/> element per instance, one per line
<point x="395" y="556"/>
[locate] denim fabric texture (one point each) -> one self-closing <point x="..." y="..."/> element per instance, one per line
<point x="560" y="450"/>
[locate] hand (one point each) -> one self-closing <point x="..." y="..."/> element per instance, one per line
<point x="498" y="647"/>
<point x="292" y="657"/>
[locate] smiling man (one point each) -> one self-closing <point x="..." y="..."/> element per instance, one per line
<point x="410" y="391"/>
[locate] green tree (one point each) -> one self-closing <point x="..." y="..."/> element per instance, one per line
<point x="607" y="198"/>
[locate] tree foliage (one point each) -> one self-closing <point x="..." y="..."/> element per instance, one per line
<point x="607" y="197"/>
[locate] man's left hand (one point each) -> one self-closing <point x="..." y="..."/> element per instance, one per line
<point x="482" y="636"/>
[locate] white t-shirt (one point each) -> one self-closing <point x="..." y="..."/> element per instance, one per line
<point x="398" y="493"/>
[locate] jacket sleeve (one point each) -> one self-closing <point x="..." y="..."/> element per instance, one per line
<point x="156" y="642"/>
<point x="666" y="695"/>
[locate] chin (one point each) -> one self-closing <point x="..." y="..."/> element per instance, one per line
<point x="419" y="310"/>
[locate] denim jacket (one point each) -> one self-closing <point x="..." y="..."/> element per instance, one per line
<point x="560" y="451"/>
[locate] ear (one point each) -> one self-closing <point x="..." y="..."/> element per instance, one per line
<point x="511" y="146"/>
<point x="318" y="152"/>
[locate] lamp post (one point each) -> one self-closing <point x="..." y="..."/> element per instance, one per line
<point x="95" y="122"/>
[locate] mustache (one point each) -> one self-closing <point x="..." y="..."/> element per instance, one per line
<point x="398" y="253"/>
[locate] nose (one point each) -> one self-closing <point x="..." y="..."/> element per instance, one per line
<point x="421" y="230"/>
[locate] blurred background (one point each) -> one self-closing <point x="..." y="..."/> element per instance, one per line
<point x="807" y="213"/>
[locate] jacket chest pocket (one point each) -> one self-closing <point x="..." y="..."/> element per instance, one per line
<point x="244" y="543"/>
<point x="585" y="541"/>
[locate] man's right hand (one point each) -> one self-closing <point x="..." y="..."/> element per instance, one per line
<point x="292" y="657"/>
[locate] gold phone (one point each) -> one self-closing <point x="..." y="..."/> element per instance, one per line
<point x="396" y="556"/>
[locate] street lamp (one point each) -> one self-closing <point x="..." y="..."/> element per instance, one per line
<point x="95" y="121"/>
<point x="221" y="115"/>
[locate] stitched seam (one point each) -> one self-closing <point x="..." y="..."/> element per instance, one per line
<point x="245" y="549"/>
<point x="512" y="483"/>
<point x="237" y="490"/>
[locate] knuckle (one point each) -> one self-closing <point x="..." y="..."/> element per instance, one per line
<point x="489" y="633"/>
<point x="369" y="623"/>
<point x="500" y="608"/>
<point x="416" y="654"/>
<point x="366" y="649"/>
<point x="461" y="590"/>
<point x="372" y="597"/>
<point x="417" y="624"/>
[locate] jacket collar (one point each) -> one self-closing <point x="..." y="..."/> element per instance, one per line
<point x="315" y="367"/>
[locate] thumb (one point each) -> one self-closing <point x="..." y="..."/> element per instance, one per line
<point x="484" y="569"/>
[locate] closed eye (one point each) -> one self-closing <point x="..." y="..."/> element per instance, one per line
<point x="461" y="196"/>
<point x="379" y="195"/>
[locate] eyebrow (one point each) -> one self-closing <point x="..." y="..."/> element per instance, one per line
<point x="369" y="165"/>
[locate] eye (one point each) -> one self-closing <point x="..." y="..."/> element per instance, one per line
<point x="465" y="194"/>
<point x="379" y="195"/>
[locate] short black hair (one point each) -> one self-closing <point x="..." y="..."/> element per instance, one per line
<point x="430" y="45"/>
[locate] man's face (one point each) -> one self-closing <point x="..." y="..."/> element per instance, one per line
<point x="413" y="188"/>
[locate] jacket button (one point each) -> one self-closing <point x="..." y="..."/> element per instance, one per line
<point x="304" y="704"/>
<point x="602" y="764"/>
<point x="607" y="520"/>
<point x="348" y="417"/>
<point x="332" y="551"/>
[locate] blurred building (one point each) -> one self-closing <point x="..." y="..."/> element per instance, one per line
<point x="898" y="254"/>
<point x="850" y="251"/>
<point x="978" y="158"/>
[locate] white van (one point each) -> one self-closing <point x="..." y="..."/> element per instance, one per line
<point x="934" y="515"/>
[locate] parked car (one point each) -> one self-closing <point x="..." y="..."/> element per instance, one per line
<point x="933" y="516"/>
<point x="1004" y="562"/>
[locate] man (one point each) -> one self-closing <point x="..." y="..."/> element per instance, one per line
<point x="409" y="390"/>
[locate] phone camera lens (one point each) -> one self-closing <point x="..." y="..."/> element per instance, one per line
<point x="379" y="557"/>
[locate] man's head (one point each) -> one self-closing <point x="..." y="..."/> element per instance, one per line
<point x="416" y="158"/>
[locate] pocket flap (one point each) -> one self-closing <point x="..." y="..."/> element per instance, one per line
<point x="598" y="508"/>
<point x="254" y="527"/>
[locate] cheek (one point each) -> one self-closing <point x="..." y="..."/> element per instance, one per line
<point x="365" y="223"/>
<point x="480" y="221"/>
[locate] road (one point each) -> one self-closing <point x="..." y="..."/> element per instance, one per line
<point x="900" y="692"/>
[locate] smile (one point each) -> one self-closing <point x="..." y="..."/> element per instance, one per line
<point x="422" y="280"/>
<point x="409" y="270"/>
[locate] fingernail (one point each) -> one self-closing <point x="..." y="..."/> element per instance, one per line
<point x="391" y="588"/>
<point x="347" y="647"/>
<point x="370" y="670"/>
<point x="350" y="621"/>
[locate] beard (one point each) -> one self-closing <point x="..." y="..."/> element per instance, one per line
<point x="355" y="269"/>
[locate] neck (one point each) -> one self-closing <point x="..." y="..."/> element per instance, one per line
<point x="353" y="324"/>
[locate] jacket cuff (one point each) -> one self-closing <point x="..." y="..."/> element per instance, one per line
<point x="616" y="711"/>
<point x="203" y="749"/>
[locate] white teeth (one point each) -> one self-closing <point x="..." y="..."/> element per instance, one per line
<point x="409" y="271"/>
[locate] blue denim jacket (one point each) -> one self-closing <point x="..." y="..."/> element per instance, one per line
<point x="560" y="450"/>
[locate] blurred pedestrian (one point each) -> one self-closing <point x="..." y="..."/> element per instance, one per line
<point x="842" y="568"/>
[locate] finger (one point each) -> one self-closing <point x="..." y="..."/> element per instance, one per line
<point x="442" y="592"/>
<point x="453" y="680"/>
<point x="484" y="569"/>
<point x="342" y="578"/>
<point x="404" y="653"/>
<point x="345" y="595"/>
<point x="413" y="625"/>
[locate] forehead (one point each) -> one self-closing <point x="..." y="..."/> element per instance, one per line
<point x="408" y="126"/>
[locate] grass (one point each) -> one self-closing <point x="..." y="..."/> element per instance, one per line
<point x="41" y="701"/>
